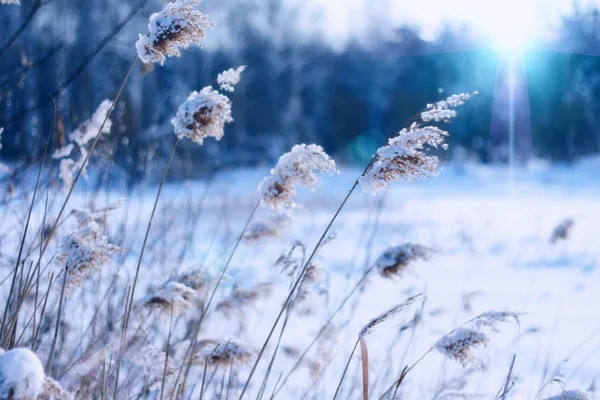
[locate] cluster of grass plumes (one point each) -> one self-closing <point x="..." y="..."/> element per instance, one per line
<point x="193" y="329"/>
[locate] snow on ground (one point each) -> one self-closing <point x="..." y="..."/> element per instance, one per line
<point x="490" y="228"/>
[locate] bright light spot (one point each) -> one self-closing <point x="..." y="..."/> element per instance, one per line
<point x="510" y="24"/>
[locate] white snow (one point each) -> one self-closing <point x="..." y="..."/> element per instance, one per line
<point x="21" y="374"/>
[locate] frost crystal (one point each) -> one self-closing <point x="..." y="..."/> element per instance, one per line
<point x="9" y="1"/>
<point x="228" y="79"/>
<point x="84" y="252"/>
<point x="441" y="111"/>
<point x="21" y="375"/>
<point x="228" y="354"/>
<point x="396" y="259"/>
<point x="572" y="395"/>
<point x="203" y="114"/>
<point x="459" y="344"/>
<point x="172" y="295"/>
<point x="90" y="128"/>
<point x="295" y="167"/>
<point x="176" y="26"/>
<point x="403" y="158"/>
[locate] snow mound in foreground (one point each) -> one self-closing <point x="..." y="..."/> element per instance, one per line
<point x="21" y="374"/>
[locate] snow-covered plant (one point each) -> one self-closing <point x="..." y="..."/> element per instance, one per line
<point x="152" y="361"/>
<point x="572" y="395"/>
<point x="88" y="130"/>
<point x="491" y="319"/>
<point x="230" y="353"/>
<point x="269" y="227"/>
<point x="241" y="298"/>
<point x="389" y="314"/>
<point x="297" y="166"/>
<point x="176" y="26"/>
<point x="204" y="114"/>
<point x="403" y="158"/>
<point x="80" y="137"/>
<point x="98" y="215"/>
<point x="443" y="110"/>
<point x="63" y="151"/>
<point x="562" y="230"/>
<point x="460" y="343"/>
<point x="229" y="78"/>
<point x="395" y="260"/>
<point x="53" y="391"/>
<point x="173" y="295"/>
<point x="21" y="375"/>
<point x="84" y="251"/>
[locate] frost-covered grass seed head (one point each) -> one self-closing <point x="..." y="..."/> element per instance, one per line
<point x="204" y="114"/>
<point x="176" y="26"/>
<point x="295" y="167"/>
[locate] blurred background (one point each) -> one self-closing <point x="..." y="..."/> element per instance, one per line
<point x="344" y="74"/>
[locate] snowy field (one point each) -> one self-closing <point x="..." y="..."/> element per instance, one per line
<point x="489" y="233"/>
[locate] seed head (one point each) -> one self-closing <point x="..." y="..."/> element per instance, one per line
<point x="84" y="251"/>
<point x="228" y="79"/>
<point x="204" y="114"/>
<point x="295" y="167"/>
<point x="562" y="230"/>
<point x="177" y="26"/>
<point x="173" y="295"/>
<point x="460" y="343"/>
<point x="572" y="395"/>
<point x="395" y="260"/>
<point x="231" y="353"/>
<point x="404" y="157"/>
<point x="270" y="227"/>
<point x="242" y="298"/>
<point x="389" y="314"/>
<point x="442" y="110"/>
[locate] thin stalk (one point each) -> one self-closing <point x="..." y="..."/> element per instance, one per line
<point x="160" y="187"/>
<point x="297" y="283"/>
<point x="205" y="311"/>
<point x="345" y="370"/>
<point x="323" y="329"/>
<point x="87" y="157"/>
<point x="60" y="308"/>
<point x="404" y="373"/>
<point x="129" y="305"/>
<point x="164" y="377"/>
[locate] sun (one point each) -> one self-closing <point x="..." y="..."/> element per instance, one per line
<point x="509" y="24"/>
